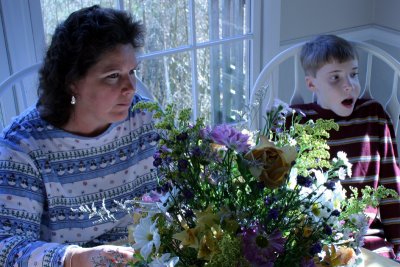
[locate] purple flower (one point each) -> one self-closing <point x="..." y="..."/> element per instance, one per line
<point x="165" y="149"/>
<point x="196" y="151"/>
<point x="205" y="132"/>
<point x="307" y="262"/>
<point x="189" y="213"/>
<point x="261" y="249"/>
<point x="152" y="196"/>
<point x="230" y="137"/>
<point x="166" y="187"/>
<point x="269" y="200"/>
<point x="188" y="194"/>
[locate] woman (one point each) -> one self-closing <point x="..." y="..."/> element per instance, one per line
<point x="81" y="145"/>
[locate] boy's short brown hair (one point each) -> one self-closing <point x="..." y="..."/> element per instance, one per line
<point x="325" y="49"/>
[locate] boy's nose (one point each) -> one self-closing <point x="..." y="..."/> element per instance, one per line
<point x="348" y="86"/>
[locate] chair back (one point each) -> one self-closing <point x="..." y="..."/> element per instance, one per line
<point x="19" y="91"/>
<point x="283" y="78"/>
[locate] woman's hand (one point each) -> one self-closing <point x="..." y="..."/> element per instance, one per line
<point x="105" y="255"/>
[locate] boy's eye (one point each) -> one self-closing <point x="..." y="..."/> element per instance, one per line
<point x="355" y="74"/>
<point x="335" y="77"/>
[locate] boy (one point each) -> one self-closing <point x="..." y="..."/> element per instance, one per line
<point x="365" y="131"/>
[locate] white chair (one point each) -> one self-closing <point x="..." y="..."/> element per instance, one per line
<point x="19" y="91"/>
<point x="283" y="78"/>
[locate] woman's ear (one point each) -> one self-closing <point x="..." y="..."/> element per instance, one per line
<point x="73" y="88"/>
<point x="310" y="82"/>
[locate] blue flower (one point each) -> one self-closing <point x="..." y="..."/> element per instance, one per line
<point x="182" y="137"/>
<point x="157" y="162"/>
<point x="335" y="213"/>
<point x="330" y="185"/>
<point x="183" y="165"/>
<point x="273" y="213"/>
<point x="315" y="248"/>
<point x="304" y="181"/>
<point x="328" y="230"/>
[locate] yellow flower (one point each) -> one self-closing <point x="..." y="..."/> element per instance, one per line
<point x="338" y="257"/>
<point x="207" y="218"/>
<point x="347" y="255"/>
<point x="275" y="162"/>
<point x="188" y="237"/>
<point x="208" y="246"/>
<point x="307" y="231"/>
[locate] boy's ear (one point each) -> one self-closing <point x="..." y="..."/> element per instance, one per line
<point x="310" y="83"/>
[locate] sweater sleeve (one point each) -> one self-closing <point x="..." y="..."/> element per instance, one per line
<point x="389" y="176"/>
<point x="22" y="198"/>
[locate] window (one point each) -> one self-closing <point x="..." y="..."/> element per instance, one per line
<point x="196" y="53"/>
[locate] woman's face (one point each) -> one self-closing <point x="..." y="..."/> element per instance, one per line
<point x="105" y="94"/>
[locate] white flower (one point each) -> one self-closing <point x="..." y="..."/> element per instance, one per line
<point x="146" y="236"/>
<point x="343" y="157"/>
<point x="164" y="261"/>
<point x="320" y="177"/>
<point x="166" y="200"/>
<point x="293" y="178"/>
<point x="341" y="173"/>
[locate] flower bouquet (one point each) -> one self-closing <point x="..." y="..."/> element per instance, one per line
<point x="228" y="197"/>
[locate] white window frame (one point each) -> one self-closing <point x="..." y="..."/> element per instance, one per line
<point x="25" y="18"/>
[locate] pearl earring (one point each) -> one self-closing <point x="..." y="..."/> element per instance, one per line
<point x="73" y="100"/>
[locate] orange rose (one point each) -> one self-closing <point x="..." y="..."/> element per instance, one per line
<point x="274" y="162"/>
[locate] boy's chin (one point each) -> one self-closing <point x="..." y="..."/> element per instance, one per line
<point x="344" y="112"/>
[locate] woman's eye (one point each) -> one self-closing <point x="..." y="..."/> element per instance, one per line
<point x="113" y="76"/>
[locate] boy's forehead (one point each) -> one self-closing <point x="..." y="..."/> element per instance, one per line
<point x="335" y="64"/>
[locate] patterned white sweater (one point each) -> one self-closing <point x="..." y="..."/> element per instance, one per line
<point x="46" y="172"/>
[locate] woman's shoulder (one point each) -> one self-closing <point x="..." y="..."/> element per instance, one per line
<point x="23" y="125"/>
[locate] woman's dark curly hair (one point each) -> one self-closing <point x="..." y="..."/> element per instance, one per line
<point x="77" y="45"/>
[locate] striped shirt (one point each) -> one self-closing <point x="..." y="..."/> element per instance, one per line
<point x="368" y="139"/>
<point x="46" y="173"/>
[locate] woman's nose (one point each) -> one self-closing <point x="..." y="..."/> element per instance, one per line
<point x="129" y="85"/>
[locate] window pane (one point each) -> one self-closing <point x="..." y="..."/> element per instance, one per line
<point x="169" y="79"/>
<point x="218" y="19"/>
<point x="166" y="22"/>
<point x="55" y="12"/>
<point x="222" y="78"/>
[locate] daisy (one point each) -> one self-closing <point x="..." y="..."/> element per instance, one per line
<point x="164" y="261"/>
<point x="146" y="237"/>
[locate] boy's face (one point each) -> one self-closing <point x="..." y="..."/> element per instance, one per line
<point x="336" y="86"/>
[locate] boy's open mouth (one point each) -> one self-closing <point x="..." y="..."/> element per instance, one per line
<point x="348" y="102"/>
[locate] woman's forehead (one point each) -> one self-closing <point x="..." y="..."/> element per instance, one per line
<point x="121" y="55"/>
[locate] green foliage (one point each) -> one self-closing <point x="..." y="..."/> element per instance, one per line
<point x="230" y="255"/>
<point x="227" y="197"/>
<point x="370" y="197"/>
